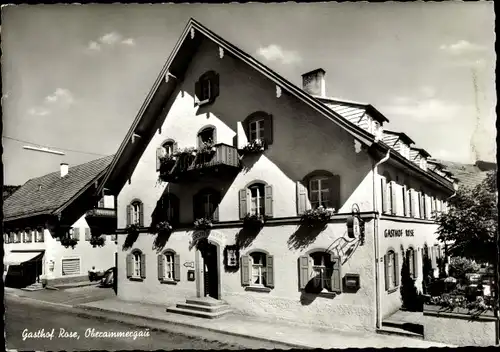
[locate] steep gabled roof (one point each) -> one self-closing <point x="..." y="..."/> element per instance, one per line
<point x="401" y="135"/>
<point x="351" y="110"/>
<point x="421" y="151"/>
<point x="51" y="193"/>
<point x="147" y="122"/>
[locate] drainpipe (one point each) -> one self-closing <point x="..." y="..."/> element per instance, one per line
<point x="378" y="309"/>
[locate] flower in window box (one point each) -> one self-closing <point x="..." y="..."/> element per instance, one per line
<point x="203" y="224"/>
<point x="317" y="217"/>
<point x="97" y="241"/>
<point x="255" y="146"/>
<point x="163" y="227"/>
<point x="67" y="242"/>
<point x="254" y="220"/>
<point x="185" y="151"/>
<point x="208" y="147"/>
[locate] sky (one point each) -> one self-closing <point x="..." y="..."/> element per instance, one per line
<point x="75" y="76"/>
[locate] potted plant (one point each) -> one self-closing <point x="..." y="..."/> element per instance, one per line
<point x="203" y="224"/>
<point x="254" y="220"/>
<point x="255" y="146"/>
<point x="185" y="151"/>
<point x="67" y="242"/>
<point x="162" y="227"/>
<point x="317" y="217"/>
<point x="97" y="241"/>
<point x="207" y="147"/>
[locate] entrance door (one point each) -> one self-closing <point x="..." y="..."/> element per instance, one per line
<point x="210" y="277"/>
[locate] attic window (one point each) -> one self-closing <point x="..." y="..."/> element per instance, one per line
<point x="207" y="88"/>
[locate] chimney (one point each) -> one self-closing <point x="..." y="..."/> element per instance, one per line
<point x="314" y="82"/>
<point x="64" y="169"/>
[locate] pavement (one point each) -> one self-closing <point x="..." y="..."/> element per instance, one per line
<point x="90" y="301"/>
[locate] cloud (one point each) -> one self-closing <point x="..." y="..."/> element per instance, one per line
<point x="39" y="111"/>
<point x="428" y="91"/>
<point x="94" y="46"/>
<point x="274" y="52"/>
<point x="60" y="96"/>
<point x="129" y="41"/>
<point x="461" y="47"/>
<point x="110" y="38"/>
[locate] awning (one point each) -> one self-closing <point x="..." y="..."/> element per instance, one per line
<point x="17" y="258"/>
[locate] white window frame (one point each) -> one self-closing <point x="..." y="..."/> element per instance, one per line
<point x="136" y="270"/>
<point x="325" y="203"/>
<point x="258" y="202"/>
<point x="321" y="273"/>
<point x="391" y="269"/>
<point x="205" y="87"/>
<point x="136" y="212"/>
<point x="168" y="266"/>
<point x="259" y="270"/>
<point x="256" y="130"/>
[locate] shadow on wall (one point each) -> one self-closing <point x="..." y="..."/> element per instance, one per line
<point x="344" y="247"/>
<point x="304" y="236"/>
<point x="246" y="236"/>
<point x="311" y="291"/>
<point x="161" y="240"/>
<point x="249" y="161"/>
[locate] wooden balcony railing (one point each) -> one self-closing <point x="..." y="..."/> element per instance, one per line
<point x="222" y="160"/>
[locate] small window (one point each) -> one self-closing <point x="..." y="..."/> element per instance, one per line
<point x="18" y="237"/>
<point x="136" y="265"/>
<point x="206" y="136"/>
<point x="259" y="268"/>
<point x="256" y="130"/>
<point x="259" y="127"/>
<point x="207" y="88"/>
<point x="206" y="204"/>
<point x="39" y="235"/>
<point x="319" y="192"/>
<point x="168" y="269"/>
<point x="391" y="270"/>
<point x="135" y="213"/>
<point x="411" y="258"/>
<point x="257" y="199"/>
<point x="168" y="147"/>
<point x="322" y="270"/>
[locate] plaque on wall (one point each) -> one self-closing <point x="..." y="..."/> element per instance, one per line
<point x="232" y="257"/>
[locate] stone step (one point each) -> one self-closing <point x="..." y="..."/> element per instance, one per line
<point x="406" y="326"/>
<point x="205" y="301"/>
<point x="199" y="314"/>
<point x="202" y="308"/>
<point x="390" y="330"/>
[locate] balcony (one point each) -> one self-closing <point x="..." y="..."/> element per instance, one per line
<point x="221" y="160"/>
<point x="101" y="219"/>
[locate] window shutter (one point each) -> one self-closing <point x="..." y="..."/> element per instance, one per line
<point x="160" y="266"/>
<point x="175" y="147"/>
<point x="129" y="214"/>
<point x="383" y="193"/>
<point x="301" y="198"/>
<point x="245" y="270"/>
<point x="214" y="89"/>
<point x="386" y="270"/>
<point x="76" y="233"/>
<point x="143" y="266"/>
<point x="270" y="271"/>
<point x="413" y="205"/>
<point x="334" y="184"/>
<point x="433" y="257"/>
<point x="215" y="215"/>
<point x="416" y="263"/>
<point x="197" y="91"/>
<point x="177" y="267"/>
<point x="243" y="203"/>
<point x="268" y="206"/>
<point x="396" y="269"/>
<point x="304" y="271"/>
<point x="160" y="152"/>
<point x="130" y="265"/>
<point x="336" y="274"/>
<point x="268" y="129"/>
<point x="87" y="234"/>
<point x="141" y="214"/>
<point x="405" y="201"/>
<point x="394" y="197"/>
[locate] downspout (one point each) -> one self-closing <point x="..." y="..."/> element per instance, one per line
<point x="378" y="309"/>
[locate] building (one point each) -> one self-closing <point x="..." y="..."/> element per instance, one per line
<point x="51" y="211"/>
<point x="467" y="175"/>
<point x="223" y="138"/>
<point x="8" y="191"/>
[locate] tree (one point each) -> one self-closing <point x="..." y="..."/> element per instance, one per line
<point x="409" y="295"/>
<point x="460" y="266"/>
<point x="469" y="227"/>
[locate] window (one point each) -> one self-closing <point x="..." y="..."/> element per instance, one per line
<point x="319" y="188"/>
<point x="319" y="192"/>
<point x="257" y="270"/>
<point x="388" y="194"/>
<point x="259" y="126"/>
<point x="136" y="265"/>
<point x="168" y="267"/>
<point x="135" y="213"/>
<point x="206" y="204"/>
<point x="167" y="209"/>
<point x="29" y="236"/>
<point x="423" y="163"/>
<point x="411" y="262"/>
<point x="405" y="199"/>
<point x="321" y="270"/>
<point x="207" y="136"/>
<point x="391" y="270"/>
<point x="207" y="88"/>
<point x="5" y="238"/>
<point x="423" y="205"/>
<point x="12" y="237"/>
<point x="17" y="237"/>
<point x="71" y="266"/>
<point x="256" y="199"/>
<point x="39" y="235"/>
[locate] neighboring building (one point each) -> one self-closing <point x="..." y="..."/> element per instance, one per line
<point x="48" y="208"/>
<point x="8" y="191"/>
<point x="319" y="151"/>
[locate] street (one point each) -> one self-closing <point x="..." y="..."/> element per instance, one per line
<point x="24" y="322"/>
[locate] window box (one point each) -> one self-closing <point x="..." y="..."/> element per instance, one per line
<point x="317" y="217"/>
<point x="255" y="288"/>
<point x="203" y="224"/>
<point x="97" y="241"/>
<point x="67" y="242"/>
<point x="254" y="221"/>
<point x="253" y="147"/>
<point x="168" y="282"/>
